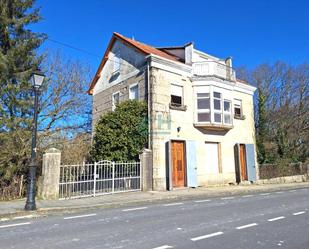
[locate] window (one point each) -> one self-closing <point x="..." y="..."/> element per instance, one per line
<point x="133" y="92"/>
<point x="203" y="107"/>
<point x="116" y="60"/>
<point x="227" y="112"/>
<point x="237" y="108"/>
<point x="176" y="95"/>
<point x="217" y="107"/>
<point x="115" y="100"/>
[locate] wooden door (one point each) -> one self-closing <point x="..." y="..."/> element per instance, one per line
<point x="243" y="163"/>
<point x="178" y="162"/>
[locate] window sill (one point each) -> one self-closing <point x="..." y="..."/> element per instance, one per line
<point x="178" y="108"/>
<point x="243" y="117"/>
<point x="217" y="127"/>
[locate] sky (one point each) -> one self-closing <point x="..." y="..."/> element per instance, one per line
<point x="252" y="32"/>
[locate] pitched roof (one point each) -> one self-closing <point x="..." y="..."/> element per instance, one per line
<point x="146" y="49"/>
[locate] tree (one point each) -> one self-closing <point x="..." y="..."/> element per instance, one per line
<point x="122" y="134"/>
<point x="18" y="58"/>
<point x="261" y="126"/>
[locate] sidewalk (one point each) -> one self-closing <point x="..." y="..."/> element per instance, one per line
<point x="11" y="209"/>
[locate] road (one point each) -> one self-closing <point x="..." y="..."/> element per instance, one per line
<point x="261" y="220"/>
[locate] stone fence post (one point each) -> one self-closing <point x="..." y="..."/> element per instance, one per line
<point x="51" y="174"/>
<point x="146" y="169"/>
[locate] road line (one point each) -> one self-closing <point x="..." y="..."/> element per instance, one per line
<point x="292" y="190"/>
<point x="133" y="209"/>
<point x="15" y="225"/>
<point x="247" y="196"/>
<point x="277" y="218"/>
<point x="23" y="217"/>
<point x="227" y="198"/>
<point x="207" y="236"/>
<point x="173" y="204"/>
<point x="279" y="192"/>
<point x="79" y="216"/>
<point x="163" y="247"/>
<point x="199" y="201"/>
<point x="265" y="194"/>
<point x="298" y="213"/>
<point x="247" y="226"/>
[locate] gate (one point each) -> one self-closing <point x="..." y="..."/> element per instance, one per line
<point x="99" y="178"/>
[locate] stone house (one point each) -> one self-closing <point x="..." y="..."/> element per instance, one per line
<point x="201" y="128"/>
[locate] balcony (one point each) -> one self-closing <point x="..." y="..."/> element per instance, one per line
<point x="213" y="68"/>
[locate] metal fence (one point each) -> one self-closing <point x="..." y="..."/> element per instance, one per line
<point x="99" y="178"/>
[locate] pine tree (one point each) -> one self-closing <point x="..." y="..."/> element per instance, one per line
<point x="18" y="58"/>
<point x="262" y="130"/>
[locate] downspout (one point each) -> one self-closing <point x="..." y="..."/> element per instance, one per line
<point x="149" y="106"/>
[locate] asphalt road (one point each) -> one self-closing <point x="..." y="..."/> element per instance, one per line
<point x="261" y="220"/>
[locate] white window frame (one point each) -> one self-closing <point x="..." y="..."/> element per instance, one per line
<point x="227" y="112"/>
<point x="203" y="110"/>
<point x="217" y="111"/>
<point x="236" y="101"/>
<point x="130" y="94"/>
<point x="113" y="100"/>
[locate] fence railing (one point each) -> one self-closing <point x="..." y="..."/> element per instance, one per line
<point x="99" y="178"/>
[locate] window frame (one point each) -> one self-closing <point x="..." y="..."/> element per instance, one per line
<point x="208" y="111"/>
<point x="214" y="110"/>
<point x="227" y="112"/>
<point x="182" y="96"/>
<point x="240" y="107"/>
<point x="116" y="62"/>
<point x="113" y="100"/>
<point x="130" y="94"/>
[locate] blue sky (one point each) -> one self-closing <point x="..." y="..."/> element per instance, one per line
<point x="252" y="32"/>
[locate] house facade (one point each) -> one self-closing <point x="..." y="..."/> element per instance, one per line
<point x="201" y="129"/>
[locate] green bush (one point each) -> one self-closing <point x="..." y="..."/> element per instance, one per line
<point x="122" y="134"/>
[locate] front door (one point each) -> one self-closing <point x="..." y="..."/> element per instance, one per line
<point x="178" y="162"/>
<point x="243" y="163"/>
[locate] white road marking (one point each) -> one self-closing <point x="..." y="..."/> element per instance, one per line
<point x="227" y="198"/>
<point x="15" y="225"/>
<point x="277" y="218"/>
<point x="279" y="192"/>
<point x="265" y="194"/>
<point x="173" y="204"/>
<point x="298" y="213"/>
<point x="199" y="201"/>
<point x="247" y="196"/>
<point x="247" y="226"/>
<point x="4" y="219"/>
<point x="207" y="236"/>
<point x="23" y="217"/>
<point x="79" y="216"/>
<point x="292" y="190"/>
<point x="163" y="247"/>
<point x="133" y="209"/>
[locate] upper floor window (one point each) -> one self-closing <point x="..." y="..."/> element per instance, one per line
<point x="115" y="100"/>
<point x="133" y="92"/>
<point x="238" y="108"/>
<point x="116" y="61"/>
<point x="176" y="95"/>
<point x="212" y="107"/>
<point x="203" y="107"/>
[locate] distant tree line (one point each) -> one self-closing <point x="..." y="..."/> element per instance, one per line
<point x="281" y="111"/>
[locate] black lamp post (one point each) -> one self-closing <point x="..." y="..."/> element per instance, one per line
<point x="37" y="79"/>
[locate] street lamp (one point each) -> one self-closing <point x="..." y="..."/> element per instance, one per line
<point x="37" y="79"/>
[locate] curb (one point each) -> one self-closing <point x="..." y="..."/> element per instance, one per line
<point x="155" y="198"/>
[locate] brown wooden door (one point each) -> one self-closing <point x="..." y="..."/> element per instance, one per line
<point x="243" y="163"/>
<point x="178" y="163"/>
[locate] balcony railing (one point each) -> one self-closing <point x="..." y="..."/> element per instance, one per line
<point x="213" y="68"/>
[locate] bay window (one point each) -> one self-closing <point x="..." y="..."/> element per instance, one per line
<point x="213" y="108"/>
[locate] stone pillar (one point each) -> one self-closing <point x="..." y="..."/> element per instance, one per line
<point x="51" y="174"/>
<point x="146" y="170"/>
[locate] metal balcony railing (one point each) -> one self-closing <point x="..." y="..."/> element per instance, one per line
<point x="213" y="68"/>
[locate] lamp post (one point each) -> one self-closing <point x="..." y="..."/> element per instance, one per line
<point x="37" y="79"/>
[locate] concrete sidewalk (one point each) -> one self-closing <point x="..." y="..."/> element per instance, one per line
<point x="15" y="209"/>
